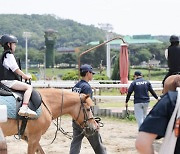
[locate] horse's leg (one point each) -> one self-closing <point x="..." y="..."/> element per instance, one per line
<point x="40" y="150"/>
<point x="33" y="143"/>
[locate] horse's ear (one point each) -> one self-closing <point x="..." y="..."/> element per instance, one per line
<point x="89" y="100"/>
<point x="87" y="95"/>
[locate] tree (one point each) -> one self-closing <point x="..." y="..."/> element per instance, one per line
<point x="143" y="55"/>
<point x="115" y="73"/>
<point x="100" y="54"/>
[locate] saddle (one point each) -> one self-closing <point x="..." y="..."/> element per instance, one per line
<point x="13" y="100"/>
<point x="34" y="103"/>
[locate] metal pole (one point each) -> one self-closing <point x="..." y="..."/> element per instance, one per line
<point x="44" y="65"/>
<point x="108" y="65"/>
<point x="79" y="58"/>
<point x="26" y="35"/>
<point x="107" y="27"/>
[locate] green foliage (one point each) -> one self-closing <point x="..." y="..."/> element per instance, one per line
<point x="143" y="55"/>
<point x="140" y="53"/>
<point x="100" y="77"/>
<point x="115" y="73"/>
<point x="69" y="58"/>
<point x="70" y="33"/>
<point x="88" y="59"/>
<point x="100" y="54"/>
<point x="71" y="75"/>
<point x="131" y="117"/>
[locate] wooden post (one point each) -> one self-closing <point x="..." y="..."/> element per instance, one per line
<point x="3" y="145"/>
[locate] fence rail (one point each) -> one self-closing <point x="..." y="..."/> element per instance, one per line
<point x="94" y="84"/>
<point x="97" y="85"/>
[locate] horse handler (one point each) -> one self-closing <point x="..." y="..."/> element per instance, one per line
<point x="86" y="72"/>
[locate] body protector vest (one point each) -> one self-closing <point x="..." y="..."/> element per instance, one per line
<point x="8" y="74"/>
<point x="173" y="58"/>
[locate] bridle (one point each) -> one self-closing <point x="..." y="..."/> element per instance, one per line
<point x="87" y="131"/>
<point x="85" y="112"/>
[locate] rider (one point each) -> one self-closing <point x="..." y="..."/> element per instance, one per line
<point x="86" y="71"/>
<point x="172" y="53"/>
<point x="11" y="72"/>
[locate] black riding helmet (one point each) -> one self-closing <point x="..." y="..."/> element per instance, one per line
<point x="8" y="39"/>
<point x="174" y="38"/>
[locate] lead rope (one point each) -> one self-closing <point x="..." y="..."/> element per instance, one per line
<point x="59" y="127"/>
<point x="58" y="123"/>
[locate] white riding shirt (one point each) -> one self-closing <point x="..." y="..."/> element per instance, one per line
<point x="10" y="62"/>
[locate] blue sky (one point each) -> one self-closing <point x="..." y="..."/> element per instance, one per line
<point x="128" y="17"/>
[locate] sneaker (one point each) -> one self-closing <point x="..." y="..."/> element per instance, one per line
<point x="27" y="112"/>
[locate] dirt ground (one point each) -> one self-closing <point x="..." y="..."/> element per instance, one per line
<point x="118" y="137"/>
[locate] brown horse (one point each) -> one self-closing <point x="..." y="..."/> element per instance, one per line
<point x="57" y="102"/>
<point x="171" y="83"/>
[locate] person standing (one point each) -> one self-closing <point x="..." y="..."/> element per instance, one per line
<point x="11" y="73"/>
<point x="140" y="87"/>
<point x="86" y="72"/>
<point x="171" y="54"/>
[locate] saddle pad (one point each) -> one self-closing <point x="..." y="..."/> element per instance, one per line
<point x="10" y="102"/>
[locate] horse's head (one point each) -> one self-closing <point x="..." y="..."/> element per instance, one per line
<point x="85" y="117"/>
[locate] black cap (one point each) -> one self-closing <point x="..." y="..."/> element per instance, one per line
<point x="174" y="38"/>
<point x="87" y="68"/>
<point x="138" y="73"/>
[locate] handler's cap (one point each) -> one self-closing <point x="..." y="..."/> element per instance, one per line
<point x="137" y="73"/>
<point x="86" y="68"/>
<point x="174" y="38"/>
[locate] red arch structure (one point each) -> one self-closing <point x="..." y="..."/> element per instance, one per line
<point x="123" y="67"/>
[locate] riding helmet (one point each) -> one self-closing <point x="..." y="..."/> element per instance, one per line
<point x="8" y="39"/>
<point x="174" y="38"/>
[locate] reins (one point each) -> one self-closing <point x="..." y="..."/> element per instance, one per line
<point x="58" y="124"/>
<point x="59" y="120"/>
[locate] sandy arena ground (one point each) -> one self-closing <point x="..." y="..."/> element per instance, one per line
<point x="118" y="137"/>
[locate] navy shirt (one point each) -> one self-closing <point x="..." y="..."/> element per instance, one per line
<point x="158" y="118"/>
<point x="140" y="87"/>
<point x="83" y="87"/>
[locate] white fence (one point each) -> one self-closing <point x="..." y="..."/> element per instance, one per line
<point x="96" y="85"/>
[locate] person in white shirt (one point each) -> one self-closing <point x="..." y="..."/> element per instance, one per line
<point x="11" y="74"/>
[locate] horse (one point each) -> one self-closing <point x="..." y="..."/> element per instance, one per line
<point x="56" y="102"/>
<point x="171" y="83"/>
